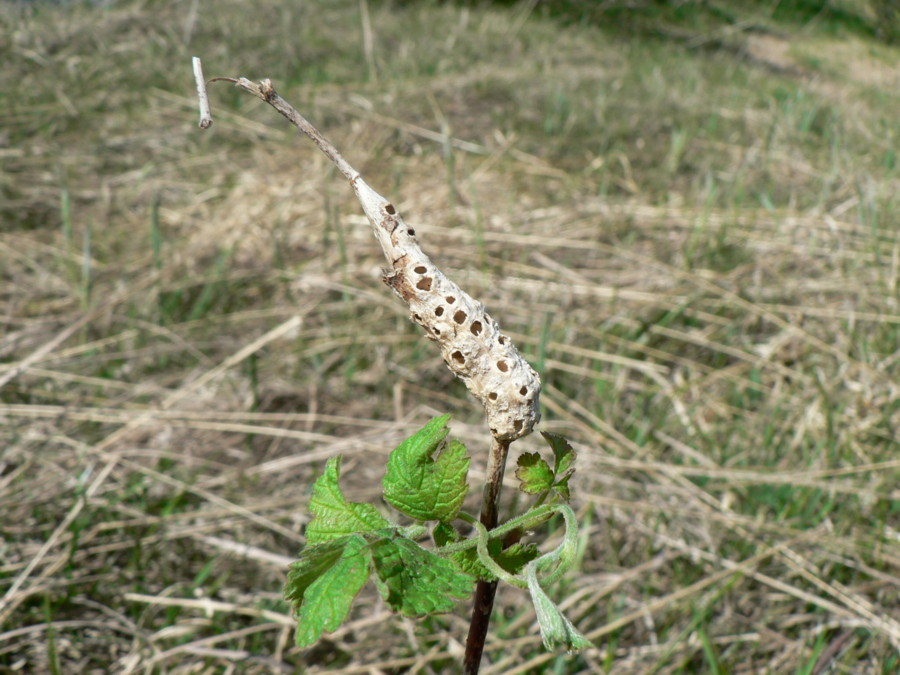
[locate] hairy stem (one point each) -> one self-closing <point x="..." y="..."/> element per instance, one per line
<point x="484" y="590"/>
<point x="513" y="526"/>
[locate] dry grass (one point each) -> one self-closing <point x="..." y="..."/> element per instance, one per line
<point x="696" y="247"/>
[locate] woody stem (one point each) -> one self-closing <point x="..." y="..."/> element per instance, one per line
<point x="486" y="590"/>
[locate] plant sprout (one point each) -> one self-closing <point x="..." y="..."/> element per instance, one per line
<point x="426" y="477"/>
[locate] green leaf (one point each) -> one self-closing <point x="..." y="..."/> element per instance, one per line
<point x="563" y="453"/>
<point x="564" y="457"/>
<point x="556" y="630"/>
<point x="323" y="604"/>
<point x="415" y="581"/>
<point x="561" y="488"/>
<point x="467" y="561"/>
<point x="314" y="561"/>
<point x="334" y="516"/>
<point x="534" y="474"/>
<point x="445" y="533"/>
<point x="514" y="558"/>
<point x="421" y="485"/>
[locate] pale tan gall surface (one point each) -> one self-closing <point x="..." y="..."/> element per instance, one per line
<point x="470" y="340"/>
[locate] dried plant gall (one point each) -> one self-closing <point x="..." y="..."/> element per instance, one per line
<point x="470" y="340"/>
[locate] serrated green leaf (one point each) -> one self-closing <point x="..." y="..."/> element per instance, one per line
<point x="415" y="581"/>
<point x="468" y="562"/>
<point x="333" y="515"/>
<point x="421" y="485"/>
<point x="561" y="487"/>
<point x="514" y="558"/>
<point x="563" y="453"/>
<point x="556" y="630"/>
<point x="314" y="561"/>
<point x="534" y="474"/>
<point x="327" y="600"/>
<point x="445" y="533"/>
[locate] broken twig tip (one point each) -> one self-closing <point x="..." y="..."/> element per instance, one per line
<point x="205" y="116"/>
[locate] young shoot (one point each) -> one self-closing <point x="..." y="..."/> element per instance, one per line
<point x="426" y="478"/>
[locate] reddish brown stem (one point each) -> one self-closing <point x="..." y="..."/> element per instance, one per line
<point x="484" y="590"/>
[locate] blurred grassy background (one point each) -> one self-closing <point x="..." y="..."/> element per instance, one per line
<point x="684" y="213"/>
